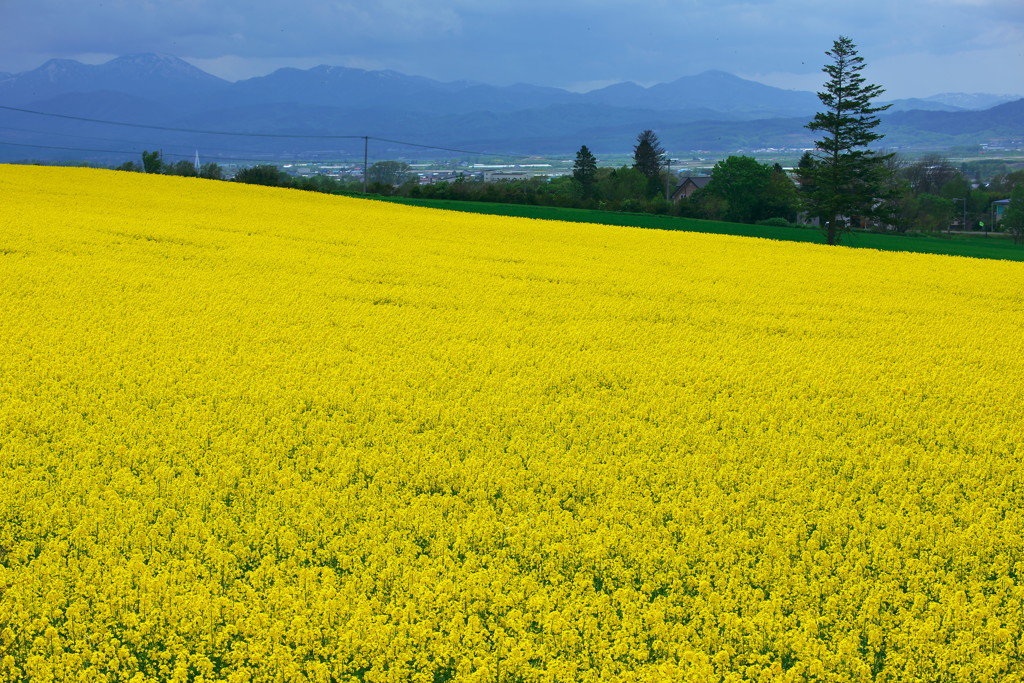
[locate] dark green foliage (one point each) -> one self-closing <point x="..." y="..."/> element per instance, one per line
<point x="932" y="194"/>
<point x="805" y="172"/>
<point x="932" y="213"/>
<point x="780" y="199"/>
<point x="649" y="158"/>
<point x="740" y="182"/>
<point x="847" y="181"/>
<point x="152" y="162"/>
<point x="1013" y="219"/>
<point x="975" y="247"/>
<point x="182" y="168"/>
<point x="774" y="222"/>
<point x="900" y="207"/>
<point x="619" y="189"/>
<point x="263" y="174"/>
<point x="211" y="171"/>
<point x="625" y="184"/>
<point x="743" y="190"/>
<point x="584" y="172"/>
<point x="326" y="184"/>
<point x="391" y="173"/>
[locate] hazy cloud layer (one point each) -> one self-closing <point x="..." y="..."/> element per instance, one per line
<point x="913" y="47"/>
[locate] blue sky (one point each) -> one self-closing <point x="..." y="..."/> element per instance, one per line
<point x="913" y="48"/>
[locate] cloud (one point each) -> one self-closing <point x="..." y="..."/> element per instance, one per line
<point x="207" y="28"/>
<point x="563" y="43"/>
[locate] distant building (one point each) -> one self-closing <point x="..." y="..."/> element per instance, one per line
<point x="492" y="176"/>
<point x="431" y="177"/>
<point x="689" y="185"/>
<point x="999" y="207"/>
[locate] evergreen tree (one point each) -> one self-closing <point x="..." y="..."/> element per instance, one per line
<point x="584" y="171"/>
<point x="649" y="158"/>
<point x="847" y="180"/>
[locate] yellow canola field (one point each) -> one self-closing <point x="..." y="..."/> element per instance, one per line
<point x="260" y="434"/>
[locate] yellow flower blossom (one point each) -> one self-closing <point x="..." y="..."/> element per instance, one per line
<point x="251" y="434"/>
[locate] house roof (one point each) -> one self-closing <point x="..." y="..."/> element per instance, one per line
<point x="698" y="180"/>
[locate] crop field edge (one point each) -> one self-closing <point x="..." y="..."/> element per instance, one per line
<point x="992" y="248"/>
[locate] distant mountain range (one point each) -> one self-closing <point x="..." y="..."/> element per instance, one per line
<point x="713" y="111"/>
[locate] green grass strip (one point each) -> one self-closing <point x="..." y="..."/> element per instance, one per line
<point x="995" y="247"/>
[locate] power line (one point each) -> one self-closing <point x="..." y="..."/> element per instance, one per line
<point x="259" y="135"/>
<point x="448" y="149"/>
<point x="119" y="151"/>
<point x="118" y="140"/>
<point x="173" y="129"/>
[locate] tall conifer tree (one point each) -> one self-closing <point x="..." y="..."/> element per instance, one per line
<point x="584" y="171"/>
<point x="846" y="180"/>
<point x="649" y="158"/>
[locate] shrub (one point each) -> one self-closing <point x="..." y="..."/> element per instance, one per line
<point x="776" y="222"/>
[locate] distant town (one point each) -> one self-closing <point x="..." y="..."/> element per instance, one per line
<point x="436" y="171"/>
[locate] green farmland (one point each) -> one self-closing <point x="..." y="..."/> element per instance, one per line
<point x="996" y="246"/>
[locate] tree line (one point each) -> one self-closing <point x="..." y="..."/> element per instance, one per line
<point x="840" y="185"/>
<point x="153" y="162"/>
<point x="926" y="194"/>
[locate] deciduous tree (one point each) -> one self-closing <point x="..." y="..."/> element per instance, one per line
<point x="262" y="174"/>
<point x="934" y="213"/>
<point x="211" y="171"/>
<point x="741" y="182"/>
<point x="620" y="185"/>
<point x="749" y="191"/>
<point x="152" y="162"/>
<point x="780" y="198"/>
<point x="182" y="168"/>
<point x="928" y="174"/>
<point x="1013" y="219"/>
<point x="389" y="172"/>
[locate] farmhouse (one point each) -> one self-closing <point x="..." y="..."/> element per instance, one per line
<point x="688" y="186"/>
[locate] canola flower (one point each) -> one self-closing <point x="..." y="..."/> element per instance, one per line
<point x="250" y="434"/>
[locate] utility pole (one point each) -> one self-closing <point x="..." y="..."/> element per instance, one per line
<point x="668" y="176"/>
<point x="366" y="156"/>
<point x="963" y="226"/>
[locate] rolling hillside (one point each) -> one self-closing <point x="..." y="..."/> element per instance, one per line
<point x="260" y="434"/>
